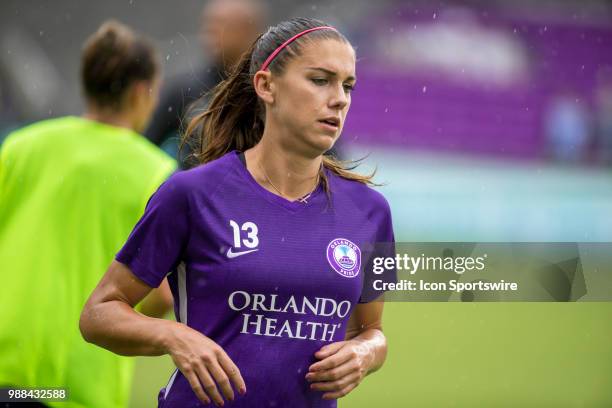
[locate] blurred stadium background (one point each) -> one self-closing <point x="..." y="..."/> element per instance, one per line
<point x="487" y="120"/>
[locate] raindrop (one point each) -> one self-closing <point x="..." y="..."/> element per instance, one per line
<point x="386" y="110"/>
<point x="434" y="16"/>
<point x="169" y="108"/>
<point x="167" y="57"/>
<point x="424" y="88"/>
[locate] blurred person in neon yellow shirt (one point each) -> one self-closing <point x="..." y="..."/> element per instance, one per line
<point x="71" y="189"/>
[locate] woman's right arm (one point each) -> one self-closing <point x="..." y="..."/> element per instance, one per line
<point x="110" y="321"/>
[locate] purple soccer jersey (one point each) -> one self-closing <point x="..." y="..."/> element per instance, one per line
<point x="271" y="281"/>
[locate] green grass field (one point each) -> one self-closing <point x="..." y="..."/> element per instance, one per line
<point x="474" y="355"/>
<point x="482" y="354"/>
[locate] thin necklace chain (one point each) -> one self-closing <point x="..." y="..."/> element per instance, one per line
<point x="303" y="199"/>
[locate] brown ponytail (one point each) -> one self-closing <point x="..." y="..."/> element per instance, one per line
<point x="113" y="58"/>
<point x="234" y="118"/>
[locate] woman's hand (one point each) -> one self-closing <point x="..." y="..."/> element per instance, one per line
<point x="204" y="363"/>
<point x="342" y="367"/>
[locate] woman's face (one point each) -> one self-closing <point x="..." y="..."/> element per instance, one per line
<point x="313" y="95"/>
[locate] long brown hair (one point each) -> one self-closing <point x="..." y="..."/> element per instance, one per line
<point x="234" y="118"/>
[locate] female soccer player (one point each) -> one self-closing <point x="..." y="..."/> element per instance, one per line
<point x="71" y="190"/>
<point x="262" y="241"/>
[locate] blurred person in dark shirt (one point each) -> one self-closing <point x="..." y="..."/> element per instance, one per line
<point x="228" y="27"/>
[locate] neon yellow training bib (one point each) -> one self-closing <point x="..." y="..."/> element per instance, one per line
<point x="71" y="190"/>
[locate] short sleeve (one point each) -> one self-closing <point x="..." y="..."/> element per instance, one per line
<point x="157" y="242"/>
<point x="383" y="246"/>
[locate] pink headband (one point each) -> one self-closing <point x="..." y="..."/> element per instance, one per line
<point x="267" y="62"/>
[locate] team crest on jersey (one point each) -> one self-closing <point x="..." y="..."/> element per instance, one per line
<point x="344" y="257"/>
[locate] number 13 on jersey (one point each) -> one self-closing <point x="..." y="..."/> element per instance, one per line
<point x="249" y="229"/>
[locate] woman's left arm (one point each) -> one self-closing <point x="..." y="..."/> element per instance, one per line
<point x="344" y="364"/>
